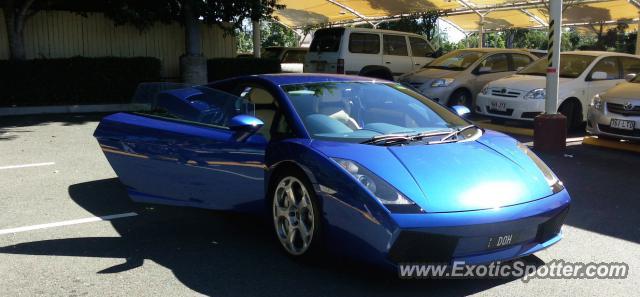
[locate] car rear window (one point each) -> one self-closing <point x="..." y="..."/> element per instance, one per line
<point x="364" y="43"/>
<point x="326" y="40"/>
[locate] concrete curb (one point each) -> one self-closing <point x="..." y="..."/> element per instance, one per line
<point x="33" y="110"/>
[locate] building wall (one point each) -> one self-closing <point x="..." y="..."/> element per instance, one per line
<point x="61" y="34"/>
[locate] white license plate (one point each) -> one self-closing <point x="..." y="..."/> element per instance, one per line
<point x="622" y="124"/>
<point x="499" y="106"/>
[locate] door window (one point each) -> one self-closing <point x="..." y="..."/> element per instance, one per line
<point x="265" y="107"/>
<point x="520" y="61"/>
<point x="395" y="45"/>
<point x="364" y="43"/>
<point x="609" y="66"/>
<point x="630" y="65"/>
<point x="200" y="105"/>
<point x="420" y="47"/>
<point x="494" y="63"/>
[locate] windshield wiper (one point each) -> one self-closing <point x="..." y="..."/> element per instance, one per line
<point x="388" y="139"/>
<point x="391" y="139"/>
<point x="447" y="138"/>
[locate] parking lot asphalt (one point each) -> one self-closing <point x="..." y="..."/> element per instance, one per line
<point x="53" y="172"/>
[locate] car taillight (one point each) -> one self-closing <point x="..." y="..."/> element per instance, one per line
<point x="340" y="66"/>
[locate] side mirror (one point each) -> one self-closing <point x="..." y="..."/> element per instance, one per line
<point x="483" y="70"/>
<point x="244" y="126"/>
<point x="630" y="76"/>
<point x="599" y="75"/>
<point x="461" y="110"/>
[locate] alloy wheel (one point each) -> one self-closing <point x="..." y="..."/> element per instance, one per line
<point x="293" y="215"/>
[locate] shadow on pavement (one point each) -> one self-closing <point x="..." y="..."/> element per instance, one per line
<point x="226" y="254"/>
<point x="603" y="185"/>
<point x="13" y="124"/>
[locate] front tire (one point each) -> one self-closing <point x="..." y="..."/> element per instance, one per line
<point x="573" y="112"/>
<point x="296" y="215"/>
<point x="460" y="97"/>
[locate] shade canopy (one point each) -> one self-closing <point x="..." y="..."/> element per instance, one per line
<point x="463" y="14"/>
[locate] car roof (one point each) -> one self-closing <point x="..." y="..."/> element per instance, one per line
<point x="598" y="53"/>
<point x="493" y="50"/>
<point x="301" y="78"/>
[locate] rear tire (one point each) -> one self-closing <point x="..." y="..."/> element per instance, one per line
<point x="460" y="97"/>
<point x="378" y="73"/>
<point x="296" y="215"/>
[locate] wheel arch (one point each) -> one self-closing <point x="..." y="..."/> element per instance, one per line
<point x="461" y="88"/>
<point x="574" y="100"/>
<point x="375" y="68"/>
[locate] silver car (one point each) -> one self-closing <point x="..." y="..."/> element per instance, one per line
<point x="457" y="77"/>
<point x="616" y="112"/>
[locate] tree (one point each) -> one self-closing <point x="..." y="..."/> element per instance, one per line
<point x="423" y="23"/>
<point x="271" y="34"/>
<point x="227" y="14"/>
<point x="16" y="13"/>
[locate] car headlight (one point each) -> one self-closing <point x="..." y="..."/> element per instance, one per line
<point x="552" y="180"/>
<point x="391" y="198"/>
<point x="538" y="94"/>
<point x="485" y="90"/>
<point x="442" y="82"/>
<point x="596" y="102"/>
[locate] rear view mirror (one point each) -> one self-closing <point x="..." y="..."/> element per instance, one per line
<point x="461" y="110"/>
<point x="630" y="76"/>
<point x="244" y="126"/>
<point x="599" y="75"/>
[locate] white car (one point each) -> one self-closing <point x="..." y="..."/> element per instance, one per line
<point x="368" y="52"/>
<point x="616" y="112"/>
<point x="583" y="74"/>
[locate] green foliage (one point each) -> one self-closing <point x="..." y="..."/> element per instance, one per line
<point x="144" y="13"/>
<point x="271" y="34"/>
<point x="221" y="68"/>
<point x="424" y="23"/>
<point x="75" y="80"/>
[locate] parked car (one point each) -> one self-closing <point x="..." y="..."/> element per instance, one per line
<point x="615" y="113"/>
<point x="363" y="167"/>
<point x="582" y="75"/>
<point x="291" y="58"/>
<point x="456" y="77"/>
<point x="367" y="52"/>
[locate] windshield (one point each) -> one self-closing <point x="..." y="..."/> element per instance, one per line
<point x="571" y="66"/>
<point x="456" y="60"/>
<point x="353" y="111"/>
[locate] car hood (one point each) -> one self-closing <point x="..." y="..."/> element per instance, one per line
<point x="523" y="82"/>
<point x="487" y="173"/>
<point x="428" y="74"/>
<point x="622" y="93"/>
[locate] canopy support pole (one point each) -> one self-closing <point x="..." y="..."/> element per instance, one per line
<point x="550" y="128"/>
<point x="256" y="38"/>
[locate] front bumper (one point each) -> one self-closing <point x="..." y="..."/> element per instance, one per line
<point x="598" y="123"/>
<point x="463" y="236"/>
<point x="438" y="94"/>
<point x="516" y="108"/>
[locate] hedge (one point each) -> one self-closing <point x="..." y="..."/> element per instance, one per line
<point x="221" y="68"/>
<point x="75" y="80"/>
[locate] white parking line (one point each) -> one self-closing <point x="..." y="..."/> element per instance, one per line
<point x="27" y="165"/>
<point x="67" y="223"/>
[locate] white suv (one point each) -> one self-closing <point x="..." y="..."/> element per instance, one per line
<point x="367" y="52"/>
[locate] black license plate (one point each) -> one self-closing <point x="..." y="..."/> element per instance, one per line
<point x="501" y="240"/>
